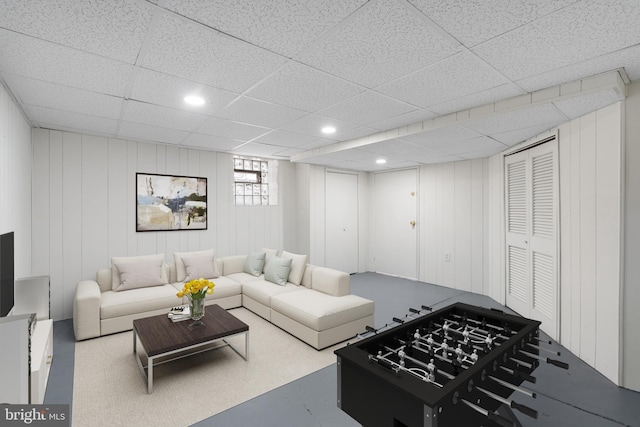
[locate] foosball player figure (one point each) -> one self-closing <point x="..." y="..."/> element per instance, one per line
<point x="488" y="341"/>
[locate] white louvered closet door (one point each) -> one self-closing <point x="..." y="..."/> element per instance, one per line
<point x="531" y="195"/>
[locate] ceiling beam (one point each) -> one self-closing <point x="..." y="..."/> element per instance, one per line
<point x="613" y="80"/>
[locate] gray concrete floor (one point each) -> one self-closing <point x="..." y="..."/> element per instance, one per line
<point x="577" y="397"/>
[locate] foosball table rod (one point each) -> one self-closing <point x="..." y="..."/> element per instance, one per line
<point x="550" y="361"/>
<point x="512" y="403"/>
<point x="504" y="422"/>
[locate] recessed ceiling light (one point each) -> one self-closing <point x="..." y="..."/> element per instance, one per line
<point x="328" y="129"/>
<point x="194" y="100"/>
<point x="381" y="161"/>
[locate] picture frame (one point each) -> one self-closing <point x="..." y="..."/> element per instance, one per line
<point x="170" y="202"/>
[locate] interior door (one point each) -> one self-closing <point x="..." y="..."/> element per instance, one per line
<point x="395" y="229"/>
<point x="341" y="221"/>
<point x="531" y="195"/>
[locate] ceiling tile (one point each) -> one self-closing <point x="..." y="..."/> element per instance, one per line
<point x="559" y="39"/>
<point x="30" y="57"/>
<point x="260" y="113"/>
<point x="475" y="21"/>
<point x="485" y="97"/>
<point x="209" y="142"/>
<point x="285" y="139"/>
<point x="381" y="42"/>
<point x="514" y="137"/>
<point x="169" y="91"/>
<point x="367" y="108"/>
<point x="581" y="105"/>
<point x="628" y="58"/>
<point x="312" y="124"/>
<point x="150" y="114"/>
<point x="49" y="95"/>
<point x="117" y="27"/>
<point x="278" y="25"/>
<point x="299" y="86"/>
<point x="148" y="133"/>
<point x="74" y="122"/>
<point x="483" y="143"/>
<point x="403" y="120"/>
<point x="256" y="149"/>
<point x="188" y="50"/>
<point x="231" y="130"/>
<point x="454" y="77"/>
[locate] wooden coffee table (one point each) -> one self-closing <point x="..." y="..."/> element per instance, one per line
<point x="162" y="340"/>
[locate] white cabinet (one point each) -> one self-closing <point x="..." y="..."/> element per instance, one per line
<point x="41" y="358"/>
<point x="15" y="336"/>
<point x="25" y="363"/>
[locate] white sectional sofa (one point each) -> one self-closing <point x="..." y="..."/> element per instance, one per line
<point x="310" y="302"/>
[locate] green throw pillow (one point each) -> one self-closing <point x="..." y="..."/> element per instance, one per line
<point x="277" y="270"/>
<point x="254" y="263"/>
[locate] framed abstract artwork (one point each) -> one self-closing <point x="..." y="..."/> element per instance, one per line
<point x="169" y="203"/>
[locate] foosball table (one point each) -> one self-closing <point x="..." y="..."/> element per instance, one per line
<point x="454" y="367"/>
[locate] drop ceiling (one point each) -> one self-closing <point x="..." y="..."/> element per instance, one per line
<point x="411" y="81"/>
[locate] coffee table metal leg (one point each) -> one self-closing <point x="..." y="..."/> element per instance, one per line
<point x="149" y="375"/>
<point x="246" y="346"/>
<point x="244" y="355"/>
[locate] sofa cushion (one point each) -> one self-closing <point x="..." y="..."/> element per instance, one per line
<point x="320" y="311"/>
<point x="224" y="287"/>
<point x="269" y="253"/>
<point x="181" y="270"/>
<point x="243" y="278"/>
<point x="277" y="270"/>
<point x="254" y="263"/>
<point x="139" y="274"/>
<point x="306" y="277"/>
<point x="200" y="266"/>
<point x="153" y="264"/>
<point x="298" y="264"/>
<point x="330" y="281"/>
<point x="135" y="301"/>
<point x="262" y="291"/>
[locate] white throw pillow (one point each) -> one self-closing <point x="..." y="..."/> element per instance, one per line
<point x="181" y="271"/>
<point x="254" y="263"/>
<point x="200" y="266"/>
<point x="277" y="270"/>
<point x="115" y="273"/>
<point x="269" y="253"/>
<point x="298" y="264"/>
<point x="140" y="274"/>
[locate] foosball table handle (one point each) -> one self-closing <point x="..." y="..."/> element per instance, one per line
<point x="499" y="419"/>
<point x="558" y="363"/>
<point x="524" y="409"/>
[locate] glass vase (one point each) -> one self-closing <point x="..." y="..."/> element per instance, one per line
<point x="196" y="305"/>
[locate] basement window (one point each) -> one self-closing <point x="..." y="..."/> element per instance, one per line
<point x="254" y="182"/>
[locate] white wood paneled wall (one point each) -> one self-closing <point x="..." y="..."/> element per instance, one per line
<point x="591" y="183"/>
<point x="84" y="207"/>
<point x="590" y="166"/>
<point x="15" y="181"/>
<point x="452" y="212"/>
<point x="631" y="293"/>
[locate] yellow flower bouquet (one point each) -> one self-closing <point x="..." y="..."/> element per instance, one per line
<point x="195" y="290"/>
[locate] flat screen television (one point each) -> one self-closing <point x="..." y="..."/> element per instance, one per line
<point x="7" y="281"/>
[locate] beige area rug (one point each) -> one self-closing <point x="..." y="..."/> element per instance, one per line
<point x="109" y="390"/>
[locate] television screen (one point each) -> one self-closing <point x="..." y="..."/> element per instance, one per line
<point x="6" y="274"/>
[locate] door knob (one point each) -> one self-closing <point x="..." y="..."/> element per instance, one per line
<point x="413" y="223"/>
